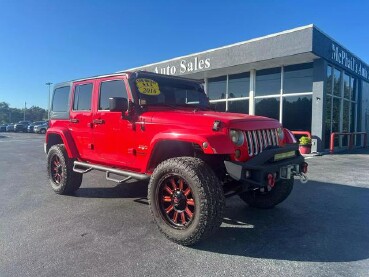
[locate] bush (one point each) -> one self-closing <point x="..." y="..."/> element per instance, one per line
<point x="305" y="141"/>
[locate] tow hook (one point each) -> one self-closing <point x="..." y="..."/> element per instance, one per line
<point x="303" y="178"/>
<point x="271" y="180"/>
<point x="302" y="173"/>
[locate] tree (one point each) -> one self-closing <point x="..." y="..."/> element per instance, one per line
<point x="8" y="114"/>
<point x="4" y="112"/>
<point x="36" y="113"/>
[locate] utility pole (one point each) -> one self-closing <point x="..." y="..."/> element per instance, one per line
<point x="48" y="102"/>
<point x="24" y="113"/>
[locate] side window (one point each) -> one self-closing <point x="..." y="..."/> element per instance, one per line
<point x="82" y="97"/>
<point x="60" y="99"/>
<point x="109" y="89"/>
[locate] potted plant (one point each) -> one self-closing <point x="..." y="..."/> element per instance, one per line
<point x="305" y="145"/>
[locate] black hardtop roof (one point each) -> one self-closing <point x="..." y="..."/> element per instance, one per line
<point x="135" y="74"/>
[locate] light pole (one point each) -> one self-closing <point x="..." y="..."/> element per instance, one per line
<point x="48" y="102"/>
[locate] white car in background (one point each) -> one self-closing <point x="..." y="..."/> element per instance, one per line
<point x="41" y="129"/>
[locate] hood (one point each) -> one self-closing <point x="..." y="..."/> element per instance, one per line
<point x="193" y="118"/>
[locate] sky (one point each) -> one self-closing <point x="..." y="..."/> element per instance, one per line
<point x="54" y="41"/>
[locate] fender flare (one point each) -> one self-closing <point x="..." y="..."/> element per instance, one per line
<point x="288" y="136"/>
<point x="217" y="143"/>
<point x="66" y="138"/>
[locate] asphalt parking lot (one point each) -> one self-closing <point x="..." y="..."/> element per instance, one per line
<point x="105" y="229"/>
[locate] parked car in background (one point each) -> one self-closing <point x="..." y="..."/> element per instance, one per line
<point x="41" y="129"/>
<point x="21" y="126"/>
<point x="30" y="127"/>
<point x="10" y="127"/>
<point x="3" y="127"/>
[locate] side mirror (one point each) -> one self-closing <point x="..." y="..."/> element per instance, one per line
<point x="118" y="104"/>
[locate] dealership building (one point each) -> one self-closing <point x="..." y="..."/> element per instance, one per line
<point x="301" y="77"/>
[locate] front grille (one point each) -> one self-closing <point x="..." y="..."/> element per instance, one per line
<point x="258" y="140"/>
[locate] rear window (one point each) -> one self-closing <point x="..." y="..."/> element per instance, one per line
<point x="60" y="99"/>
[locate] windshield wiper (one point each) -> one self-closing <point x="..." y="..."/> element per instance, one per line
<point x="162" y="104"/>
<point x="177" y="106"/>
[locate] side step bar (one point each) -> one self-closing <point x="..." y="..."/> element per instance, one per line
<point x="81" y="167"/>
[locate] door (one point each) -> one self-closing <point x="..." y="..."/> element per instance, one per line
<point x="113" y="135"/>
<point x="81" y="118"/>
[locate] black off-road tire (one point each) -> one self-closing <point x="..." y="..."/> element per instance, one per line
<point x="43" y="131"/>
<point x="206" y="194"/>
<point x="58" y="162"/>
<point x="267" y="200"/>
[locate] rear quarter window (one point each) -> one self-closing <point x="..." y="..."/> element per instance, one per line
<point x="60" y="103"/>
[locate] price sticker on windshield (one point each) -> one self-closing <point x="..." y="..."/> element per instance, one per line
<point x="147" y="86"/>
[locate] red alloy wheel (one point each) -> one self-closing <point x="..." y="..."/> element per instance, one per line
<point x="56" y="170"/>
<point x="177" y="205"/>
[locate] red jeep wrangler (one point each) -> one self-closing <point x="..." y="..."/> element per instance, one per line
<point x="146" y="126"/>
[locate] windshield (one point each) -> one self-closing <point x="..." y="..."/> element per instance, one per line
<point x="170" y="92"/>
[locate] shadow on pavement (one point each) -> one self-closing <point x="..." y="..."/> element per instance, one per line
<point x="136" y="189"/>
<point x="320" y="222"/>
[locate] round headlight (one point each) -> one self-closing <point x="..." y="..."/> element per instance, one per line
<point x="280" y="133"/>
<point x="237" y="137"/>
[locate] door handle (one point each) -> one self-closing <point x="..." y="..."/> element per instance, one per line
<point x="98" y="121"/>
<point x="74" y="120"/>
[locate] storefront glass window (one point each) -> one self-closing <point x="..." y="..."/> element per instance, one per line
<point x="353" y="117"/>
<point x="341" y="106"/>
<point x="217" y="88"/>
<point x="238" y="106"/>
<point x="353" y="88"/>
<point x="346" y="86"/>
<point x="336" y="118"/>
<point x="297" y="112"/>
<point x="268" y="82"/>
<point x="328" y="84"/>
<point x="298" y="78"/>
<point x="239" y="85"/>
<point x="268" y="107"/>
<point x="346" y="116"/>
<point x="218" y="106"/>
<point x="337" y="82"/>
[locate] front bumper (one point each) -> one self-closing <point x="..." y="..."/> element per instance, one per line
<point x="256" y="170"/>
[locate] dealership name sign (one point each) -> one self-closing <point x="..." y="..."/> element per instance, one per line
<point x="185" y="66"/>
<point x="344" y="58"/>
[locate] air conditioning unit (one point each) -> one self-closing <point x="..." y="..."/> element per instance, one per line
<point x="314" y="145"/>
